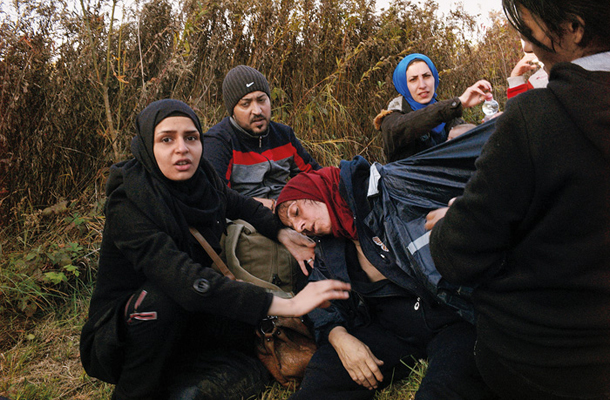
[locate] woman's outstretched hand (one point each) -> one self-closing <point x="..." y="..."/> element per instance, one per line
<point x="315" y="294"/>
<point x="476" y="94"/>
<point x="528" y="63"/>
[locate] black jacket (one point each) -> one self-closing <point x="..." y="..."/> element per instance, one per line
<point x="406" y="132"/>
<point x="532" y="230"/>
<point x="135" y="250"/>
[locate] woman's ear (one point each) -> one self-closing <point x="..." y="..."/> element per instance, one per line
<point x="575" y="30"/>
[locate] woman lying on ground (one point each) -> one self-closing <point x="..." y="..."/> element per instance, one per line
<point x="415" y="120"/>
<point x="531" y="232"/>
<point x="373" y="338"/>
<point x="162" y="323"/>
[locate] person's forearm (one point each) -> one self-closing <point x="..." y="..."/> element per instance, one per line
<point x="314" y="294"/>
<point x="269" y="203"/>
<point x="335" y="335"/>
<point x="280" y="306"/>
<point x="255" y="212"/>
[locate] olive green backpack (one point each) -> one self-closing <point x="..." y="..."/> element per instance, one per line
<point x="254" y="258"/>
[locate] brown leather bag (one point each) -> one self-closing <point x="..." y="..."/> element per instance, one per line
<point x="285" y="346"/>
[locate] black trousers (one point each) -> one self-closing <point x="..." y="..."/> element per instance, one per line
<point x="173" y="354"/>
<point x="404" y="329"/>
<point x="513" y="381"/>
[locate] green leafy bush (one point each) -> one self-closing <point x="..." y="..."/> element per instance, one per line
<point x="58" y="255"/>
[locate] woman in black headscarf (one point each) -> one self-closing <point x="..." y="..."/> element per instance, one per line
<point x="162" y="323"/>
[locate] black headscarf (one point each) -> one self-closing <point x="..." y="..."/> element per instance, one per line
<point x="173" y="205"/>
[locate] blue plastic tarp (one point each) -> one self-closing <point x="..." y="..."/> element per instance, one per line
<point x="413" y="187"/>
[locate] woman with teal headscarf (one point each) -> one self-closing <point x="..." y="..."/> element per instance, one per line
<point x="416" y="120"/>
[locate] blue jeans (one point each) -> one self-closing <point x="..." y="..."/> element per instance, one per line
<point x="404" y="329"/>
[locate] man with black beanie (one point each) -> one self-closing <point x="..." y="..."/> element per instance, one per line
<point x="255" y="157"/>
<point x="252" y="154"/>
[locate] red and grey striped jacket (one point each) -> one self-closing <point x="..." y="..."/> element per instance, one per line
<point x="256" y="166"/>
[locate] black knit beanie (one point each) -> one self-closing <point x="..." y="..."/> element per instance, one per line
<point x="240" y="81"/>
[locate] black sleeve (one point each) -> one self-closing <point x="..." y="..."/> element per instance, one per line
<point x="401" y="129"/>
<point x="218" y="150"/>
<point x="197" y="288"/>
<point x="248" y="209"/>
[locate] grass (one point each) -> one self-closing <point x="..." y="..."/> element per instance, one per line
<point x="39" y="360"/>
<point x="40" y="357"/>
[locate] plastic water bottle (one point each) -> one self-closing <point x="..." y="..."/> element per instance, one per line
<point x="490" y="108"/>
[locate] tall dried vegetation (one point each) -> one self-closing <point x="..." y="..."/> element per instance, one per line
<point x="73" y="80"/>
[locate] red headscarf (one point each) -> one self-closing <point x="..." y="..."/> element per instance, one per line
<point x="323" y="185"/>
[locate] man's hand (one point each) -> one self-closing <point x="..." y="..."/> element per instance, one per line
<point x="434" y="216"/>
<point x="300" y="246"/>
<point x="459" y="130"/>
<point x="357" y="358"/>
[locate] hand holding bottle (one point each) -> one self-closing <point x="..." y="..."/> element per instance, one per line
<point x="490" y="109"/>
<point x="476" y="93"/>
